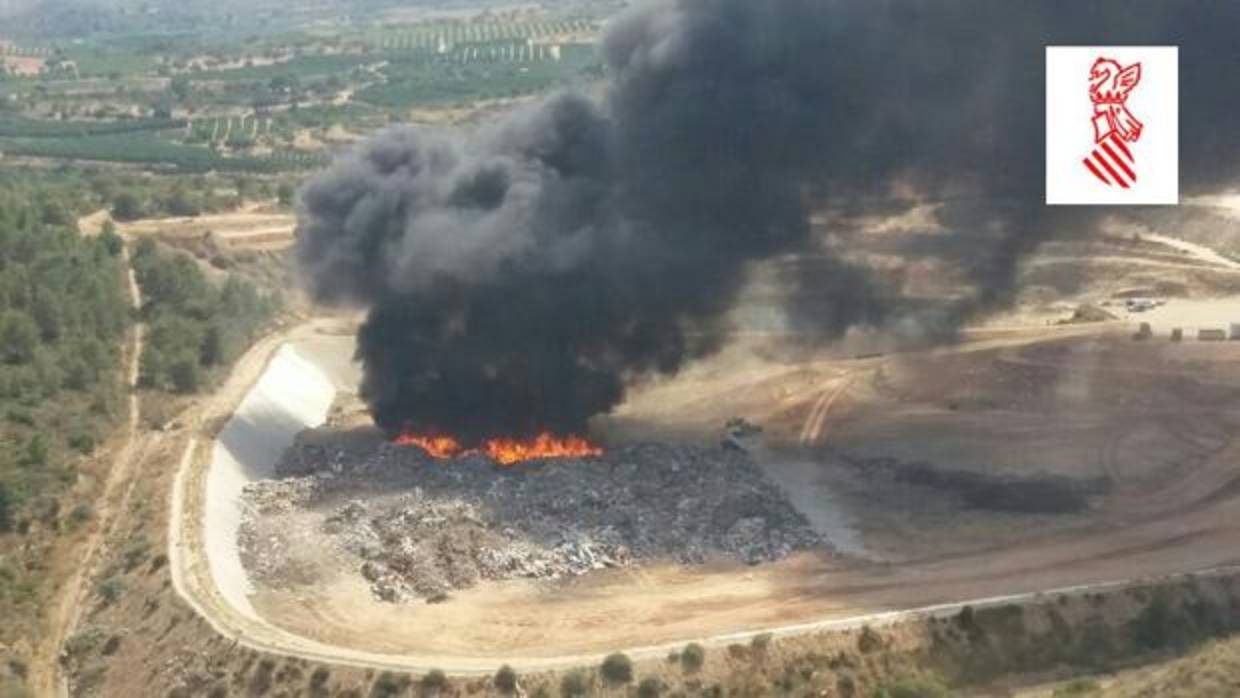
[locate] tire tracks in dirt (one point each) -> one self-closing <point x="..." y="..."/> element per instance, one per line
<point x="193" y="582"/>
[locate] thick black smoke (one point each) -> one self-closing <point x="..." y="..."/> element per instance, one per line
<point x="519" y="276"/>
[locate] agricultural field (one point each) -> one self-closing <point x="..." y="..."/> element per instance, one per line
<point x="298" y="67"/>
<point x="471" y="73"/>
<point x="436" y="36"/>
<point x="273" y="102"/>
<point x="155" y="152"/>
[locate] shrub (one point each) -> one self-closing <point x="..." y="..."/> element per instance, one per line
<point x="112" y="242"/>
<point x="617" y="668"/>
<point x="184" y="372"/>
<point x="319" y="677"/>
<point x="693" y="657"/>
<point x="36" y="451"/>
<point x="285" y="194"/>
<point x="869" y="641"/>
<point x="20" y="337"/>
<point x="1156" y="626"/>
<point x="649" y="688"/>
<point x="1077" y="687"/>
<point x="127" y="207"/>
<point x="390" y="684"/>
<point x="18" y="415"/>
<point x="506" y="679"/>
<point x="110" y="647"/>
<point x="913" y="688"/>
<point x="965" y="618"/>
<point x="111" y="590"/>
<point x="434" y="680"/>
<point x="760" y="643"/>
<point x="260" y="682"/>
<point x="83" y="641"/>
<point x="8" y="506"/>
<point x="82" y="443"/>
<point x="135" y="554"/>
<point x="574" y="684"/>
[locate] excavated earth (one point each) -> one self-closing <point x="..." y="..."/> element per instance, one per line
<point x="417" y="527"/>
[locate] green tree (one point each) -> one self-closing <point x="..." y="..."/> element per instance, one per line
<point x="434" y="681"/>
<point x="693" y="657"/>
<point x="36" y="450"/>
<point x="574" y="685"/>
<point x="617" y="668"/>
<point x="48" y="310"/>
<point x="213" y="345"/>
<point x="649" y="688"/>
<point x="77" y="375"/>
<point x="127" y="207"/>
<point x="19" y="336"/>
<point x="7" y="506"/>
<point x="112" y="241"/>
<point x="285" y="194"/>
<point x="180" y="88"/>
<point x="184" y="372"/>
<point x="506" y="679"/>
<point x="1159" y="626"/>
<point x="152" y="367"/>
<point x="180" y="202"/>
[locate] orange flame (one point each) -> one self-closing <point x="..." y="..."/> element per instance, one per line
<point x="509" y="451"/>
<point x="505" y="451"/>
<point x="437" y="446"/>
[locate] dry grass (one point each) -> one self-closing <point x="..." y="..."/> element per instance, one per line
<point x="1210" y="671"/>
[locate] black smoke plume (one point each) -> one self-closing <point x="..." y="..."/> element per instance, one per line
<point x="518" y="276"/>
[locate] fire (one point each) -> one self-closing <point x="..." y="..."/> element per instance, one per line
<point x="505" y="451"/>
<point x="509" y="451"/>
<point x="437" y="446"/>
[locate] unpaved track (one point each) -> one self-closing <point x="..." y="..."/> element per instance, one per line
<point x="1200" y="252"/>
<point x="840" y="597"/>
<point x="811" y="431"/>
<point x="1201" y="536"/>
<point x="46" y="675"/>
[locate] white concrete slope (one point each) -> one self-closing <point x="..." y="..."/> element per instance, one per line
<point x="295" y="391"/>
<point x="291" y="395"/>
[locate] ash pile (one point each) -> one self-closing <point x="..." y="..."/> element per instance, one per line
<point x="417" y="527"/>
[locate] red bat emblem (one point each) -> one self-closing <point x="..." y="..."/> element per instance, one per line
<point x="1114" y="126"/>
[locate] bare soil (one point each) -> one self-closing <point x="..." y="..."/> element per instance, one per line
<point x="1169" y="452"/>
<point x="1021" y="397"/>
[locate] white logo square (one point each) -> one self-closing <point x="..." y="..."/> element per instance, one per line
<point x="1112" y="125"/>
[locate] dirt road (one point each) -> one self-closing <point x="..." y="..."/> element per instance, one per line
<point x="46" y="677"/>
<point x="1191" y="525"/>
<point x="1199" y="252"/>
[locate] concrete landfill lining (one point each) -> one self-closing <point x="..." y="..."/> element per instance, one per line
<point x="292" y="394"/>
